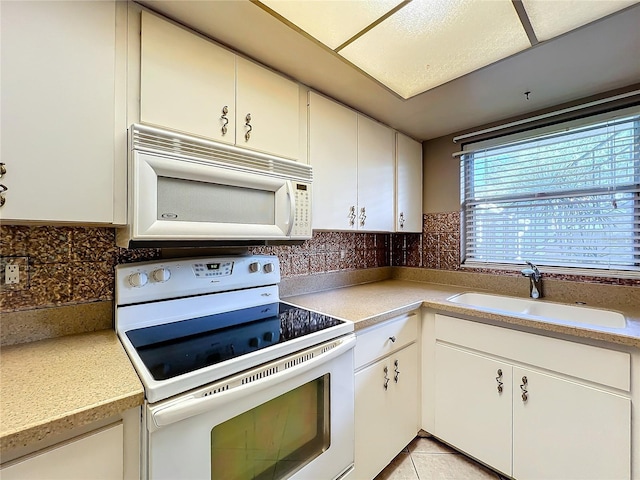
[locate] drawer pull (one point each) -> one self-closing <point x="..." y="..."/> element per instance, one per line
<point x="393" y="339"/>
<point x="499" y="380"/>
<point x="523" y="387"/>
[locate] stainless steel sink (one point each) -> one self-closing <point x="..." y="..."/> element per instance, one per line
<point x="541" y="310"/>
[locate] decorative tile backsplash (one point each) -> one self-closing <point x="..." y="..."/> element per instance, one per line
<point x="72" y="265"/>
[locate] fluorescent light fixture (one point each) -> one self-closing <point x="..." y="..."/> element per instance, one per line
<point x="331" y="22"/>
<point x="411" y="46"/>
<point x="552" y="18"/>
<point x="430" y="42"/>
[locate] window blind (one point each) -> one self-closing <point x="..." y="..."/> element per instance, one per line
<point x="570" y="198"/>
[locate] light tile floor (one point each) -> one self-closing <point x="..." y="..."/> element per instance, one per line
<point x="429" y="459"/>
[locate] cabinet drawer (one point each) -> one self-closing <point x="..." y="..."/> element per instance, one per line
<point x="381" y="340"/>
<point x="595" y="364"/>
<point x="96" y="455"/>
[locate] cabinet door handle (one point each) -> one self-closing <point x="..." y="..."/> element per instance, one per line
<point x="401" y="219"/>
<point x="523" y="387"/>
<point x="3" y="189"/>
<point x="397" y="374"/>
<point x="386" y="378"/>
<point x="224" y="117"/>
<point x="352" y="215"/>
<point x="499" y="380"/>
<point x="363" y="216"/>
<point x="247" y="124"/>
<point x="3" y="169"/>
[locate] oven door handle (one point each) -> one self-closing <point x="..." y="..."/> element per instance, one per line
<point x="191" y="406"/>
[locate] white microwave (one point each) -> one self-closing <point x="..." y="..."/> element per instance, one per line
<point x="187" y="191"/>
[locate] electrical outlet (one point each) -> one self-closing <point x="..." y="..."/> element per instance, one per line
<point x="14" y="273"/>
<point x="11" y="274"/>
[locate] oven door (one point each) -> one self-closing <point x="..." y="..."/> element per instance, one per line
<point x="292" y="418"/>
<point x="177" y="199"/>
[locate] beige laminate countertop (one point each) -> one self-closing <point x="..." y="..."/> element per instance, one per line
<point x="52" y="386"/>
<point x="371" y="303"/>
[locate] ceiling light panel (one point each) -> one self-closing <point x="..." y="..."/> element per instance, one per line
<point x="429" y="42"/>
<point x="329" y="21"/>
<point x="552" y="18"/>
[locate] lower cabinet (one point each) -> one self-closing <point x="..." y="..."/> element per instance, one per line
<point x="95" y="456"/>
<point x="387" y="395"/>
<point x="532" y="407"/>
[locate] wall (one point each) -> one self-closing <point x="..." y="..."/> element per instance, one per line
<point x="75" y="265"/>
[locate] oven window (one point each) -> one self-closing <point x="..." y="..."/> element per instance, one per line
<point x="192" y="201"/>
<point x="274" y="439"/>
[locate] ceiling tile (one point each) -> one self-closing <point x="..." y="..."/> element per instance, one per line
<point x="552" y="18"/>
<point x="430" y="42"/>
<point x="329" y="21"/>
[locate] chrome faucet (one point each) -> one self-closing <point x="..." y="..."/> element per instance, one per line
<point x="535" y="280"/>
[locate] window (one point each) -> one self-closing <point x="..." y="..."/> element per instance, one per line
<point x="566" y="196"/>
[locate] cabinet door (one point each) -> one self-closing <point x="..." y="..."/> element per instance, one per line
<point x="373" y="404"/>
<point x="376" y="170"/>
<point x="272" y="104"/>
<point x="333" y="153"/>
<point x="408" y="185"/>
<point x="404" y="423"/>
<point x="386" y="419"/>
<point x="471" y="413"/>
<point x="95" y="456"/>
<point x="565" y="430"/>
<point x="186" y="81"/>
<point x="58" y="111"/>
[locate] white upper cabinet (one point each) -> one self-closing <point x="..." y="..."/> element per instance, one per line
<point x="192" y="85"/>
<point x="186" y="81"/>
<point x="333" y="153"/>
<point x="375" y="176"/>
<point x="408" y="213"/>
<point x="267" y="111"/>
<point x="353" y="168"/>
<point x="63" y="137"/>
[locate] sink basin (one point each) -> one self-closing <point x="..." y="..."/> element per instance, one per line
<point x="541" y="310"/>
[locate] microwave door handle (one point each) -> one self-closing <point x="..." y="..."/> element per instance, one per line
<point x="292" y="206"/>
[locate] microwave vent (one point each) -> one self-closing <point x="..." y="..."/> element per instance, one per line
<point x="156" y="140"/>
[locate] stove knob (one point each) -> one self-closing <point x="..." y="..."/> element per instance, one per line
<point x="254" y="267"/>
<point x="254" y="342"/>
<point x="268" y="267"/>
<point x="161" y="275"/>
<point x="138" y="279"/>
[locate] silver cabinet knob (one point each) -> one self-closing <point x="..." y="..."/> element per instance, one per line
<point x="225" y="119"/>
<point x="523" y="388"/>
<point x="247" y="124"/>
<point x="352" y="215"/>
<point x="393" y="339"/>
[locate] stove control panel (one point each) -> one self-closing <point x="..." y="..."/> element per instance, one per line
<point x="149" y="281"/>
<point x="212" y="269"/>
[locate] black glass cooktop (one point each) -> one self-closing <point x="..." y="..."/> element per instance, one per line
<point x="176" y="348"/>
